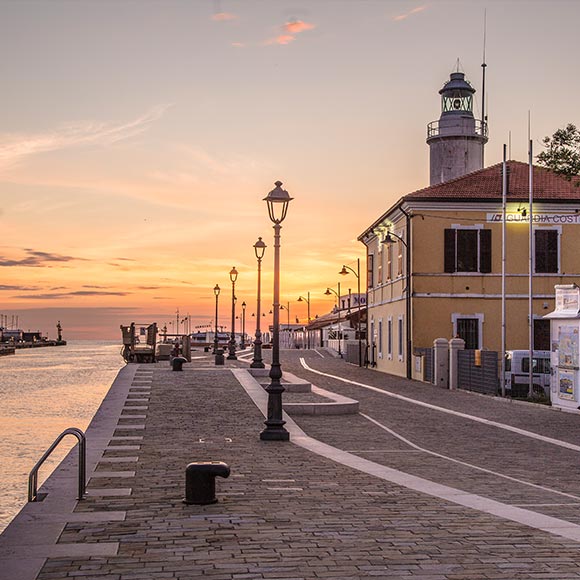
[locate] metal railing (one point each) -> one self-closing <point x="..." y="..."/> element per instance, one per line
<point x="434" y="130"/>
<point x="33" y="477"/>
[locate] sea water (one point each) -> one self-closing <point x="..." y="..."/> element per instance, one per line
<point x="43" y="391"/>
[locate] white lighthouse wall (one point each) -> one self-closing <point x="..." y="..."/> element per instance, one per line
<point x="454" y="157"/>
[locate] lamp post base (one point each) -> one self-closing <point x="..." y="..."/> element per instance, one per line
<point x="274" y="433"/>
<point x="257" y="362"/>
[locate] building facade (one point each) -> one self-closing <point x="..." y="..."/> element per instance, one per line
<point x="434" y="263"/>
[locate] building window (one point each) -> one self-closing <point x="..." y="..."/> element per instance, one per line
<point x="401" y="339"/>
<point x="546" y="251"/>
<point x="389" y="272"/>
<point x="399" y="258"/>
<point x="380" y="260"/>
<point x="380" y="346"/>
<point x="390" y="338"/>
<point x="469" y="327"/>
<point x="373" y="342"/>
<point x="467" y="250"/>
<point x="370" y="272"/>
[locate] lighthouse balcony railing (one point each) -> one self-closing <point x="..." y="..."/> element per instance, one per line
<point x="434" y="129"/>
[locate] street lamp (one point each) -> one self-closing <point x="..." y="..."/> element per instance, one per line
<point x="329" y="292"/>
<point x="307" y="300"/>
<point x="216" y="291"/>
<point x="287" y="334"/>
<point x="232" y="343"/>
<point x="388" y="239"/>
<point x="278" y="200"/>
<point x="243" y="344"/>
<point x="257" y="363"/>
<point x="344" y="272"/>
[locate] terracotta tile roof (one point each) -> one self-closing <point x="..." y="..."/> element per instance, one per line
<point x="486" y="184"/>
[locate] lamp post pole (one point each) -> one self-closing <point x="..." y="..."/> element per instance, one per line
<point x="232" y="343"/>
<point x="337" y="294"/>
<point x="344" y="272"/>
<point x="216" y="291"/>
<point x="243" y="344"/>
<point x="257" y="363"/>
<point x="277" y="200"/>
<point x="307" y="300"/>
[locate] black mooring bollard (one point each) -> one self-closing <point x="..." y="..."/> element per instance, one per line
<point x="200" y="481"/>
<point x="177" y="363"/>
<point x="219" y="357"/>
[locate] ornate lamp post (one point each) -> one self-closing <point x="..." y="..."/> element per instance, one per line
<point x="259" y="249"/>
<point x="344" y="272"/>
<point x="278" y="200"/>
<point x="243" y="342"/>
<point x="307" y="300"/>
<point x="329" y="292"/>
<point x="232" y="343"/>
<point x="216" y="291"/>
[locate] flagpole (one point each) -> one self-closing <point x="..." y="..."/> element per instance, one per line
<point x="530" y="278"/>
<point x="503" y="269"/>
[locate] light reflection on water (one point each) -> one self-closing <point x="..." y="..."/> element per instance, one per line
<point x="44" y="391"/>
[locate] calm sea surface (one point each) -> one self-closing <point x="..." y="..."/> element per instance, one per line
<point x="44" y="391"/>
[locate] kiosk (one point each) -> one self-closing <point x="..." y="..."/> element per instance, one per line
<point x="565" y="347"/>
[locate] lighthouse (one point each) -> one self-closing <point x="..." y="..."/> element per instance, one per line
<point x="457" y="139"/>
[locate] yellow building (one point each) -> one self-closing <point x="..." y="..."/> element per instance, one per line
<point x="434" y="263"/>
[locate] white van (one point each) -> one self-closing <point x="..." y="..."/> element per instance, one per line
<point x="517" y="368"/>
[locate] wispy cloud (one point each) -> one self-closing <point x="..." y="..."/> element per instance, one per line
<point x="223" y="16"/>
<point x="289" y="32"/>
<point x="16" y="147"/>
<point x="296" y="26"/>
<point x="36" y="258"/>
<point x="411" y="12"/>
<point x="60" y="295"/>
<point x="13" y="287"/>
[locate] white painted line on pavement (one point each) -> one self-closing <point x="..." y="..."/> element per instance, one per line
<point x="489" y="422"/>
<point x="486" y="505"/>
<point x="465" y="464"/>
<point x="318" y="353"/>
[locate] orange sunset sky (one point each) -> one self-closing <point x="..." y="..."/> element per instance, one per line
<point x="138" y="139"/>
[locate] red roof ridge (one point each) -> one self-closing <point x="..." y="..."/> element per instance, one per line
<point x="486" y="183"/>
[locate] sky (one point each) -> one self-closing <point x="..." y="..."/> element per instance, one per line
<point x="138" y="139"/>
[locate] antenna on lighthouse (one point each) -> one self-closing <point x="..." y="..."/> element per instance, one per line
<point x="483" y="66"/>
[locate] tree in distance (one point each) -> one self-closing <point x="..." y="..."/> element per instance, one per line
<point x="562" y="154"/>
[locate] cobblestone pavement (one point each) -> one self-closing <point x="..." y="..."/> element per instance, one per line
<point x="286" y="513"/>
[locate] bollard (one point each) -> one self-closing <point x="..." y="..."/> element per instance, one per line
<point x="219" y="356"/>
<point x="177" y="363"/>
<point x="200" y="481"/>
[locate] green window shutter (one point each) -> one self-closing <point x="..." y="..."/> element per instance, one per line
<point x="449" y="251"/>
<point x="485" y="251"/>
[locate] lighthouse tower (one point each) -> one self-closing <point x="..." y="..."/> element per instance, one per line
<point x="457" y="139"/>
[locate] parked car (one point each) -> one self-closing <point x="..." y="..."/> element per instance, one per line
<point x="517" y="369"/>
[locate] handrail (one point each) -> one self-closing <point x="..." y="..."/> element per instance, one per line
<point x="33" y="477"/>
